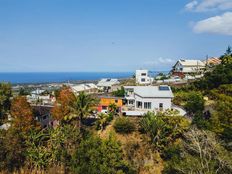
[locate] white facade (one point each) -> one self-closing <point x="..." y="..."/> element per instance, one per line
<point x="142" y="77"/>
<point x="107" y="84"/>
<point x="189" y="66"/>
<point x="148" y="98"/>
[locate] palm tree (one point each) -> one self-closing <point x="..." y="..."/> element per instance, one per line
<point x="102" y="120"/>
<point x="154" y="126"/>
<point x="84" y="106"/>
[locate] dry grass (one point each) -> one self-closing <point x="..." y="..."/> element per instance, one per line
<point x="137" y="149"/>
<point x="53" y="170"/>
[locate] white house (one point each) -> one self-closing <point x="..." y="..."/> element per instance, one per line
<point x="107" y="84"/>
<point x="188" y="66"/>
<point x="88" y="88"/>
<point x="148" y="98"/>
<point x="142" y="77"/>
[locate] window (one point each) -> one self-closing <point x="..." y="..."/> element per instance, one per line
<point x="104" y="107"/>
<point x="139" y="104"/>
<point x="147" y="105"/>
<point x="116" y="101"/>
<point x="143" y="80"/>
<point x="144" y="74"/>
<point x="44" y="117"/>
<point x="161" y="106"/>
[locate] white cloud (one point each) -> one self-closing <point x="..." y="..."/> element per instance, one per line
<point x="160" y="62"/>
<point x="217" y="24"/>
<point x="208" y="5"/>
<point x="191" y="5"/>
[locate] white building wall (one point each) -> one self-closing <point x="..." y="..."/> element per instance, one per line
<point x="142" y="77"/>
<point x="167" y="102"/>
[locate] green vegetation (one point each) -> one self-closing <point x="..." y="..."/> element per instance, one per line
<point x="124" y="125"/>
<point x="5" y="94"/>
<point x="119" y="92"/>
<point x="199" y="152"/>
<point x="99" y="156"/>
<point x="163" y="142"/>
<point x="163" y="129"/>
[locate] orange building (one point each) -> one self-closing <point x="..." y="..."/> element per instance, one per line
<point x="105" y="101"/>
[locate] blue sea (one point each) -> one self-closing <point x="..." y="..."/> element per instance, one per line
<point x="49" y="77"/>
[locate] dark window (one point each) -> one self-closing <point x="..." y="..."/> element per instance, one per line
<point x="142" y="80"/>
<point x="143" y="74"/>
<point x="139" y="104"/>
<point x="44" y="117"/>
<point x="161" y="106"/>
<point x="116" y="101"/>
<point x="104" y="107"/>
<point x="147" y="105"/>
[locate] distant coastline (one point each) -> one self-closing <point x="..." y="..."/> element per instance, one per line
<point x="61" y="77"/>
<point x="58" y="77"/>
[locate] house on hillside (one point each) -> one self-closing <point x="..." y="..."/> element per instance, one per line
<point x="88" y="88"/>
<point x="211" y="62"/>
<point x="105" y="102"/>
<point x="108" y="85"/>
<point x="141" y="99"/>
<point x="183" y="67"/>
<point x="43" y="115"/>
<point x="142" y="77"/>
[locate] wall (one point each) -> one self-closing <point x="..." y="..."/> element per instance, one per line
<point x="139" y="77"/>
<point x="167" y="103"/>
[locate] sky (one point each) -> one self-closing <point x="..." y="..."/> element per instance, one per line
<point x="110" y="35"/>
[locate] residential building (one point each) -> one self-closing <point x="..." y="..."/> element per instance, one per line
<point x="213" y="61"/>
<point x="108" y="85"/>
<point x="43" y="115"/>
<point x="105" y="102"/>
<point x="147" y="98"/>
<point x="40" y="96"/>
<point x="183" y="67"/>
<point x="142" y="77"/>
<point x="88" y="88"/>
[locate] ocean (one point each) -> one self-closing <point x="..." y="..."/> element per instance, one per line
<point x="50" y="77"/>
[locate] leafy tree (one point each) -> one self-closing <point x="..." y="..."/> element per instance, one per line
<point x="12" y="149"/>
<point x="5" y="95"/>
<point x="123" y="125"/>
<point x="194" y="103"/>
<point x="96" y="156"/>
<point x="22" y="114"/>
<point x="119" y="92"/>
<point x="221" y="74"/>
<point x="227" y="57"/>
<point x="63" y="108"/>
<point x="23" y="91"/>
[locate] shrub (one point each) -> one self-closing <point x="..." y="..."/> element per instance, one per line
<point x="124" y="125"/>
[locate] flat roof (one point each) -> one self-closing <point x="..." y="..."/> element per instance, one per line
<point x="162" y="91"/>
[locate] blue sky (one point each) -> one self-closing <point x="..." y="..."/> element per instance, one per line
<point x="110" y="35"/>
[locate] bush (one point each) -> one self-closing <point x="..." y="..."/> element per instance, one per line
<point x="95" y="156"/>
<point x="124" y="125"/>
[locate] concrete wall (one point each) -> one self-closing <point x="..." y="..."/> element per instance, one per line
<point x="167" y="102"/>
<point x="142" y="77"/>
